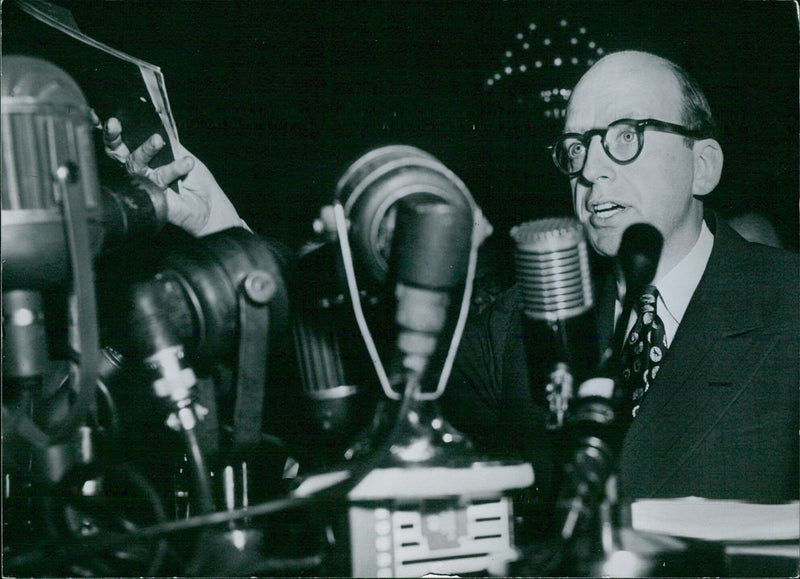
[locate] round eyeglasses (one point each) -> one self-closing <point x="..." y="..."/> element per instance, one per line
<point x="622" y="141"/>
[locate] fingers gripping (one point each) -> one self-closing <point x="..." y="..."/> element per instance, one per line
<point x="115" y="147"/>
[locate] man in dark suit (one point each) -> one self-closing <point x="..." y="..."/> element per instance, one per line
<point x="717" y="416"/>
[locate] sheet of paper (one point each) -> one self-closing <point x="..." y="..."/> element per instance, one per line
<point x="718" y="520"/>
<point x="115" y="83"/>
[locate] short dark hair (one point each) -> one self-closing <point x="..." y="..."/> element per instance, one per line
<point x="696" y="112"/>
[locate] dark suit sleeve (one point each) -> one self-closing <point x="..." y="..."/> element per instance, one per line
<point x="489" y="397"/>
<point x="471" y="401"/>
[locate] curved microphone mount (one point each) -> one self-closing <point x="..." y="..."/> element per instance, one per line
<point x="362" y="219"/>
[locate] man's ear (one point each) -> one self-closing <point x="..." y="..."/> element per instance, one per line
<point x="708" y="160"/>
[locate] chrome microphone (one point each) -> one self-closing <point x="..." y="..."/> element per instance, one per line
<point x="553" y="274"/>
<point x="552" y="268"/>
<point x="50" y="219"/>
<point x="48" y="157"/>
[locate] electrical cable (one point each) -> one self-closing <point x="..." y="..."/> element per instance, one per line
<point x="205" y="495"/>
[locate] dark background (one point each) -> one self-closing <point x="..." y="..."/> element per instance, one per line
<point x="277" y="98"/>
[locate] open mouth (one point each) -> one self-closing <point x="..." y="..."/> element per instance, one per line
<point x="606" y="209"/>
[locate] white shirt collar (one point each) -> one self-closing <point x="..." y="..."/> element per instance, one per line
<point x="676" y="287"/>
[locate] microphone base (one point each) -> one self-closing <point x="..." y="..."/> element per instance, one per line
<point x="419" y="436"/>
<point x="423" y="436"/>
<point x="410" y="521"/>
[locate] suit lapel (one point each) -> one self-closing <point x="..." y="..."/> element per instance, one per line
<point x="715" y="313"/>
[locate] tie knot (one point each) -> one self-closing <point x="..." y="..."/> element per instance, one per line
<point x="647" y="299"/>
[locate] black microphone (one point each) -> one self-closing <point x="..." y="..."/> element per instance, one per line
<point x="553" y="275"/>
<point x="598" y="419"/>
<point x="430" y="255"/>
<point x="638" y="256"/>
<point x="335" y="369"/>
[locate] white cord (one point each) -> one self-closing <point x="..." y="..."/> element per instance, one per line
<point x="478" y="234"/>
<point x="477" y="239"/>
<point x="350" y="274"/>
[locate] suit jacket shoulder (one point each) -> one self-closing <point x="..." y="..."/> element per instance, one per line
<point x="721" y="418"/>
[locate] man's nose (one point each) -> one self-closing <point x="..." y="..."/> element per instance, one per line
<point x="598" y="164"/>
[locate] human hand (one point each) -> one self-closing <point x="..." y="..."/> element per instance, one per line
<point x="201" y="208"/>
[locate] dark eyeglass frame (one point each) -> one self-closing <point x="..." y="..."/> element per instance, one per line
<point x="639" y="126"/>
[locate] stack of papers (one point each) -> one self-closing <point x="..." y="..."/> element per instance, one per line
<point x="770" y="529"/>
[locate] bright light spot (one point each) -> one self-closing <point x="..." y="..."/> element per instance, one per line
<point x="239" y="539"/>
<point x="23" y="317"/>
<point x="90" y="488"/>
<point x="622" y="564"/>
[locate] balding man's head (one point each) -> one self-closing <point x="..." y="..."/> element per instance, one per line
<point x="636" y="132"/>
<point x="623" y="70"/>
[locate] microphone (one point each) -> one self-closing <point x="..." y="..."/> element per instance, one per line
<point x="595" y="419"/>
<point x="430" y="254"/>
<point x="48" y="158"/>
<point x="51" y="215"/>
<point x="329" y="362"/>
<point x="415" y="228"/>
<point x="371" y="188"/>
<point x="55" y="215"/>
<point x="369" y="196"/>
<point x="638" y="256"/>
<point x="553" y="274"/>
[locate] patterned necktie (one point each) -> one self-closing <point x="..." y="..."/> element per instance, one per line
<point x="643" y="349"/>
